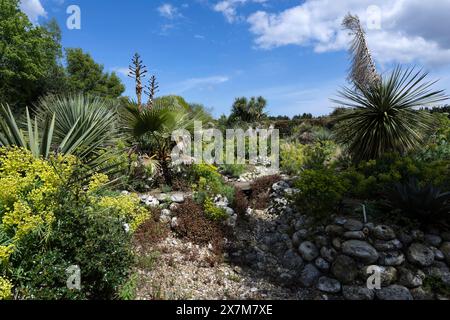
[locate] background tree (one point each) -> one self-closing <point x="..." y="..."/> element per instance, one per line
<point x="304" y="116"/>
<point x="248" y="110"/>
<point x="29" y="56"/>
<point x="202" y="112"/>
<point x="86" y="76"/>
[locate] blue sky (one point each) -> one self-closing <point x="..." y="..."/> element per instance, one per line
<point x="291" y="52"/>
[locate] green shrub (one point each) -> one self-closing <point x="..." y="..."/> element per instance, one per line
<point x="320" y="154"/>
<point x="424" y="204"/>
<point x="296" y="156"/>
<point x="392" y="168"/>
<point x="208" y="183"/>
<point x="320" y="192"/>
<point x="233" y="170"/>
<point x="438" y="146"/>
<point x="370" y="178"/>
<point x="97" y="243"/>
<point x="51" y="219"/>
<point x="292" y="157"/>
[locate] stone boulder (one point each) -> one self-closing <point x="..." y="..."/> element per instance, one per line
<point x="394" y="292"/>
<point x="360" y="250"/>
<point x="420" y="255"/>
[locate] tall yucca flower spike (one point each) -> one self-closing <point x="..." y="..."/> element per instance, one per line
<point x="363" y="71"/>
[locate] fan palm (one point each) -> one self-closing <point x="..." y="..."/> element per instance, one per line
<point x="151" y="129"/>
<point x="383" y="117"/>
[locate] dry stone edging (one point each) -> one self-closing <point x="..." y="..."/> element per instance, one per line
<point x="334" y="258"/>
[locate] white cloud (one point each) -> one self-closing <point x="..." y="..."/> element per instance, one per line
<point x="33" y="9"/>
<point x="123" y="71"/>
<point x="205" y="83"/>
<point x="168" y="11"/>
<point x="411" y="30"/>
<point x="229" y="8"/>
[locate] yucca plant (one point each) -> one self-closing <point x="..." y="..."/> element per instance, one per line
<point x="92" y="120"/>
<point x="363" y="70"/>
<point x="383" y="117"/>
<point x="70" y="125"/>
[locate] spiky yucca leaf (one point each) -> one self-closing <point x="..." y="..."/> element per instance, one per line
<point x="384" y="117"/>
<point x="89" y="119"/>
<point x="72" y="125"/>
<point x="30" y="138"/>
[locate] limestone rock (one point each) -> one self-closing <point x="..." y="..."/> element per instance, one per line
<point x="344" y="269"/>
<point x="433" y="240"/>
<point x="390" y="245"/>
<point x="382" y="232"/>
<point x="322" y="264"/>
<point x="360" y="250"/>
<point x="328" y="285"/>
<point x="394" y="292"/>
<point x="355" y="235"/>
<point x="391" y="258"/>
<point x="309" y="275"/>
<point x="353" y="225"/>
<point x="357" y="293"/>
<point x="410" y="279"/>
<point x="292" y="260"/>
<point x="420" y="255"/>
<point x="328" y="253"/>
<point x="334" y="230"/>
<point x="308" y="251"/>
<point x="445" y="249"/>
<point x="177" y="198"/>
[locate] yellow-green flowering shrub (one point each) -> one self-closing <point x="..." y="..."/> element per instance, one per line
<point x="97" y="181"/>
<point x="32" y="194"/>
<point x="5" y="289"/>
<point x="125" y="206"/>
<point x="209" y="183"/>
<point x="27" y="195"/>
<point x="5" y="253"/>
<point x="292" y="157"/>
<point x="213" y="212"/>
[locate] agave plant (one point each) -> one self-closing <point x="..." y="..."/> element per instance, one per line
<point x="423" y="203"/>
<point x="383" y="117"/>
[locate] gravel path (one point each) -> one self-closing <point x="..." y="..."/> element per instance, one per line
<point x="176" y="269"/>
